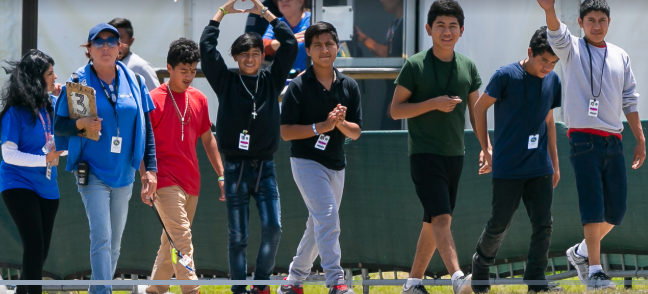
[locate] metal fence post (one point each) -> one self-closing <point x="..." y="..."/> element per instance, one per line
<point x="365" y="277"/>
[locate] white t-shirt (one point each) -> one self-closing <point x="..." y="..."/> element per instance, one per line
<point x="142" y="67"/>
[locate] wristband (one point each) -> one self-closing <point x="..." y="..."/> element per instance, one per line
<point x="315" y="130"/>
<point x="263" y="11"/>
<point x="221" y="179"/>
<point x="223" y="10"/>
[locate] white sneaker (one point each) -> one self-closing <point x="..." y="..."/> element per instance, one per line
<point x="581" y="264"/>
<point x="462" y="285"/>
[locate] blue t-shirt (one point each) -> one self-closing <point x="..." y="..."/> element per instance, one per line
<point x="19" y="127"/>
<point x="304" y="23"/>
<point x="114" y="169"/>
<point x="515" y="121"/>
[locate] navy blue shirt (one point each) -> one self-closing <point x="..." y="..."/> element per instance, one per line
<point x="516" y="120"/>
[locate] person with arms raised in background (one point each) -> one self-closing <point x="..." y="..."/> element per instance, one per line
<point x="247" y="131"/>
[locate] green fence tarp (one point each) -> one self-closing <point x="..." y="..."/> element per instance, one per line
<point x="380" y="216"/>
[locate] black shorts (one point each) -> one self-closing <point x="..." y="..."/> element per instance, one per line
<point x="436" y="178"/>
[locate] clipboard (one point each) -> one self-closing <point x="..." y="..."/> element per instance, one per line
<point x="82" y="103"/>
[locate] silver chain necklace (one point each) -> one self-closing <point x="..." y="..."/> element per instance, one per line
<point x="182" y="117"/>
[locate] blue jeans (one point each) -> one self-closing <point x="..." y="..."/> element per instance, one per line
<point x="257" y="179"/>
<point x="106" y="208"/>
<point x="599" y="165"/>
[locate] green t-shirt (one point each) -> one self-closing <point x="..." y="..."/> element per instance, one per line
<point x="436" y="131"/>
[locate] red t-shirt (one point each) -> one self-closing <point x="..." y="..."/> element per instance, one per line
<point x="176" y="158"/>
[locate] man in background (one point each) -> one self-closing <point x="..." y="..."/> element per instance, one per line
<point x="130" y="59"/>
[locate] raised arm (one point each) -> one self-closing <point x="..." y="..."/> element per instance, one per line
<point x="558" y="35"/>
<point x="553" y="23"/>
<point x="286" y="54"/>
<point x="213" y="65"/>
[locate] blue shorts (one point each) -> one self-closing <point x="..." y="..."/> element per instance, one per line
<point x="599" y="165"/>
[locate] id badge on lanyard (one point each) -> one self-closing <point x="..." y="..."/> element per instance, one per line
<point x="115" y="141"/>
<point x="593" y="108"/>
<point x="244" y="141"/>
<point x="49" y="142"/>
<point x="322" y="141"/>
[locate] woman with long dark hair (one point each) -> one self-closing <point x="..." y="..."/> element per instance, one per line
<point x="126" y="141"/>
<point x="27" y="175"/>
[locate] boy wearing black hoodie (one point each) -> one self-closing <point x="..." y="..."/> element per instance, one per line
<point x="247" y="131"/>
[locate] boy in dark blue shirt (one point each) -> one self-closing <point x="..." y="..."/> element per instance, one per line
<point x="524" y="159"/>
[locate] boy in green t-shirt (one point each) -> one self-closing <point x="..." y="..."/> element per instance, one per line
<point x="432" y="92"/>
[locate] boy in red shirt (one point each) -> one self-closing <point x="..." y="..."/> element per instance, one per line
<point x="181" y="116"/>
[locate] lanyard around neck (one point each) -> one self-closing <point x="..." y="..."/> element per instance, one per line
<point x="46" y="127"/>
<point x="526" y="100"/>
<point x="112" y="96"/>
<point x="436" y="73"/>
<point x="589" y="52"/>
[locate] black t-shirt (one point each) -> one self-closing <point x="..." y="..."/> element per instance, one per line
<point x="307" y="102"/>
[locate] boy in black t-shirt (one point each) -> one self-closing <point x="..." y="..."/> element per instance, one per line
<point x="320" y="109"/>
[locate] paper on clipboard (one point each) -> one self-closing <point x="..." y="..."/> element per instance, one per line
<point x="82" y="103"/>
<point x="341" y="17"/>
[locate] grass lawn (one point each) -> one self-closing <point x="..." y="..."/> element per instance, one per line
<point x="316" y="289"/>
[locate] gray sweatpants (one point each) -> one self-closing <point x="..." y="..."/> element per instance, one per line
<point x="321" y="189"/>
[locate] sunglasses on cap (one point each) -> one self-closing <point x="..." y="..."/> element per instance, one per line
<point x="110" y="41"/>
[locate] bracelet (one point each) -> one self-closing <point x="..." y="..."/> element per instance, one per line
<point x="223" y="10"/>
<point x="315" y="130"/>
<point x="263" y="11"/>
<point x="221" y="179"/>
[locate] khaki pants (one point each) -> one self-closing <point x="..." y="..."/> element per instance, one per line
<point x="177" y="210"/>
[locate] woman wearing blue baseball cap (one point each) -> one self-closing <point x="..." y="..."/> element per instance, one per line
<point x="105" y="169"/>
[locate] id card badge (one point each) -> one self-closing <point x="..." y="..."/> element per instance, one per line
<point x="593" y="108"/>
<point x="244" y="141"/>
<point x="48" y="173"/>
<point x="116" y="144"/>
<point x="533" y="141"/>
<point x="322" y="141"/>
<point x="49" y="145"/>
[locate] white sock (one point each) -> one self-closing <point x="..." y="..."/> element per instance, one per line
<point x="456" y="275"/>
<point x="411" y="282"/>
<point x="594" y="269"/>
<point x="582" y="249"/>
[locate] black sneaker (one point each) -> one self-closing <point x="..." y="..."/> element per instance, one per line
<point x="600" y="280"/>
<point x="340" y="289"/>
<point x="416" y="289"/>
<point x="479" y="276"/>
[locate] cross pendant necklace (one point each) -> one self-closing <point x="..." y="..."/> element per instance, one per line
<point x="182" y="117"/>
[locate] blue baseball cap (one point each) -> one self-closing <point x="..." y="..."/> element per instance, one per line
<point x="102" y="27"/>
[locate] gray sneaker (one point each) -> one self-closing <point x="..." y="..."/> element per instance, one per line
<point x="416" y="289"/>
<point x="600" y="281"/>
<point x="462" y="285"/>
<point x="580" y="263"/>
